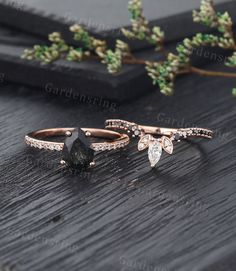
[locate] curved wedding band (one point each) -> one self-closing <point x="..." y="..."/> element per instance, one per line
<point x="78" y="151"/>
<point x="156" y="145"/>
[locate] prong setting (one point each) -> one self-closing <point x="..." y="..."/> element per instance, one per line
<point x="88" y="134"/>
<point x="92" y="164"/>
<point x="68" y="133"/>
<point x="63" y="162"/>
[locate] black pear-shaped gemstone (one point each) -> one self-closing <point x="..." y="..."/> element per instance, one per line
<point x="77" y="152"/>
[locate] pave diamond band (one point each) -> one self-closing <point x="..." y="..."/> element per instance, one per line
<point x="77" y="150"/>
<point x="32" y="139"/>
<point x="46" y="145"/>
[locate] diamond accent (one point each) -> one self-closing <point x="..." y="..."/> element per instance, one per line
<point x="144" y="142"/>
<point x="43" y="145"/>
<point x="167" y="144"/>
<point x="130" y="127"/>
<point x="194" y="132"/>
<point x="54" y="146"/>
<point x="154" y="152"/>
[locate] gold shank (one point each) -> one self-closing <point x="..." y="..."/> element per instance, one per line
<point x="117" y="124"/>
<point x="37" y="139"/>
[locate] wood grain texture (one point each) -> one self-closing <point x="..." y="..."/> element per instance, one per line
<point x="104" y="18"/>
<point x="121" y="215"/>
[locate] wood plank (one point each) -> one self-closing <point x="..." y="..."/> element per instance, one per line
<point x="121" y="215"/>
<point x="104" y="18"/>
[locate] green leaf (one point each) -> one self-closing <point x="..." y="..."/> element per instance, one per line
<point x="234" y="92"/>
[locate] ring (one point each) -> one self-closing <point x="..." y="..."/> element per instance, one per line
<point x="156" y="145"/>
<point x="77" y="150"/>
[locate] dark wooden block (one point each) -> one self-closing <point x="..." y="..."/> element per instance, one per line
<point x="103" y="18"/>
<point x="84" y="79"/>
<point x="88" y="78"/>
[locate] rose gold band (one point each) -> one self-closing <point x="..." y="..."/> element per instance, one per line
<point x="155" y="145"/>
<point x="38" y="138"/>
<point x="138" y="130"/>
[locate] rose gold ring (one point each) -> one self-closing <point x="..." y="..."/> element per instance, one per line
<point x="156" y="145"/>
<point x="77" y="149"/>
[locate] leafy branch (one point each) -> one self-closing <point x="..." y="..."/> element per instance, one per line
<point x="140" y="28"/>
<point x="163" y="73"/>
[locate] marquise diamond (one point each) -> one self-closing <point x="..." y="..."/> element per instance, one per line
<point x="154" y="152"/>
<point x="144" y="142"/>
<point x="167" y="144"/>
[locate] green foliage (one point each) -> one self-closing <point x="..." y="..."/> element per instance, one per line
<point x="113" y="59"/>
<point x="82" y="36"/>
<point x="90" y="46"/>
<point x="88" y="42"/>
<point x="221" y="21"/>
<point x="234" y="92"/>
<point x="77" y="54"/>
<point x="232" y="61"/>
<point x="162" y="73"/>
<point x="140" y="28"/>
<point x="165" y="73"/>
<point x="48" y="54"/>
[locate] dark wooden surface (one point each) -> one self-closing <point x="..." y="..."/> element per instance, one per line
<point x="121" y="215"/>
<point x="104" y="18"/>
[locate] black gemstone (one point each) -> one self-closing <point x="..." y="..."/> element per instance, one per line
<point x="77" y="152"/>
<point x="177" y="136"/>
<point x="130" y="127"/>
